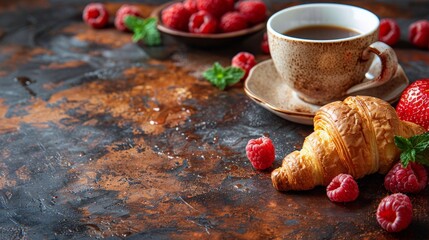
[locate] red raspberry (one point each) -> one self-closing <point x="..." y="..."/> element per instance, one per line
<point x="124" y="11"/>
<point x="389" y="31"/>
<point x="245" y="61"/>
<point x="343" y="188"/>
<point x="95" y="15"/>
<point x="411" y="179"/>
<point x="264" y="44"/>
<point x="176" y="16"/>
<point x="232" y="21"/>
<point x="395" y="212"/>
<point x="260" y="152"/>
<point x="191" y="6"/>
<point x="217" y="8"/>
<point x="418" y="33"/>
<point x="254" y="11"/>
<point x="202" y="22"/>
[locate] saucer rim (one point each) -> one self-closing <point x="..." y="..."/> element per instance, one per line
<point x="266" y="103"/>
<point x="261" y="100"/>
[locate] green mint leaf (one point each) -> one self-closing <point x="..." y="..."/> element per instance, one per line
<point x="133" y="23"/>
<point x="423" y="158"/>
<point x="215" y="76"/>
<point x="405" y="158"/>
<point x="144" y="30"/>
<point x="414" y="149"/>
<point x="420" y="142"/>
<point x="153" y="36"/>
<point x="233" y="75"/>
<point x="402" y="143"/>
<point x="222" y="77"/>
<point x="138" y="35"/>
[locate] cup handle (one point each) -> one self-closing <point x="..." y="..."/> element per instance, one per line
<point x="389" y="65"/>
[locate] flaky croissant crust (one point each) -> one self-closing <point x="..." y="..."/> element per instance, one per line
<point x="354" y="136"/>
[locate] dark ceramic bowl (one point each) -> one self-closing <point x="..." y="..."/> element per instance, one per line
<point x="205" y="40"/>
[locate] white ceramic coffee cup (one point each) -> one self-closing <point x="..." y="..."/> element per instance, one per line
<point x="321" y="71"/>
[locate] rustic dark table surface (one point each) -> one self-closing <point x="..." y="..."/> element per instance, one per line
<point x="102" y="138"/>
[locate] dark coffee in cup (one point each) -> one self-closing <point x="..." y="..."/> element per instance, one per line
<point x="321" y="32"/>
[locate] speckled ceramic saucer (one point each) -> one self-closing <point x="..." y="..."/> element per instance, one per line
<point x="265" y="87"/>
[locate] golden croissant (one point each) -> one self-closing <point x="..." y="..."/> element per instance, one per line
<point x="355" y="136"/>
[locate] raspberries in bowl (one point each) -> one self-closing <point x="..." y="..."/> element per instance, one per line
<point x="211" y="22"/>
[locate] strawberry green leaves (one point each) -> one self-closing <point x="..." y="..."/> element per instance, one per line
<point x="414" y="149"/>
<point x="144" y="29"/>
<point x="222" y="77"/>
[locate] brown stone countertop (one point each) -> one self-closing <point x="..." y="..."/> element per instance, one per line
<point x="101" y="138"/>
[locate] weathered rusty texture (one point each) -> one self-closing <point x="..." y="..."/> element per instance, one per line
<point x="99" y="139"/>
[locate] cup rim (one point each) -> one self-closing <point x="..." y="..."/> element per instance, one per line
<point x="313" y="5"/>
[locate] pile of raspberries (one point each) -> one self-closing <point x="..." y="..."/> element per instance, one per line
<point x="213" y="16"/>
<point x="394" y="212"/>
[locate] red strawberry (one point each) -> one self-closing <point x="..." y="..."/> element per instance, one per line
<point x="413" y="106"/>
